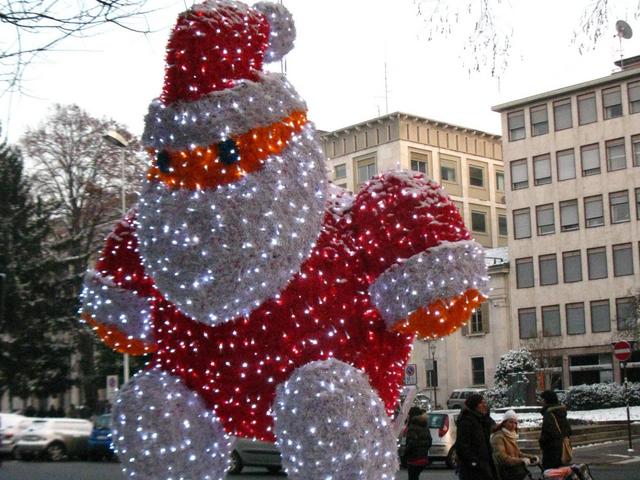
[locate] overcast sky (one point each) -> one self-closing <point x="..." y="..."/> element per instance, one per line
<point x="338" y="65"/>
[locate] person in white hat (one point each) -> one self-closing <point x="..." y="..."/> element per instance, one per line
<point x="511" y="463"/>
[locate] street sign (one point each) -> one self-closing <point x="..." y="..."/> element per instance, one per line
<point x="622" y="351"/>
<point x="411" y="374"/>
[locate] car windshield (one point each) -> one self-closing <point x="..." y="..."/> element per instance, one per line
<point x="103" y="421"/>
<point x="436" y="420"/>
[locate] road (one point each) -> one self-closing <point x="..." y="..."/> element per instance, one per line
<point x="609" y="461"/>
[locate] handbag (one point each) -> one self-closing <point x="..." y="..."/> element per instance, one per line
<point x="567" y="449"/>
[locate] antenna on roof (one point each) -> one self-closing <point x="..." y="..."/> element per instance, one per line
<point x="624" y="31"/>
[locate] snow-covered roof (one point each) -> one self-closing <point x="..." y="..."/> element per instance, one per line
<point x="496" y="256"/>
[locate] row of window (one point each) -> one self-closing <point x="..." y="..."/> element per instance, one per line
<point x="615" y="155"/>
<point x="592" y="214"/>
<point x="574" y="318"/>
<point x="597" y="268"/>
<point x="612" y="107"/>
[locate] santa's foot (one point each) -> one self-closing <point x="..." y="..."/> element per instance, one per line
<point x="330" y="423"/>
<point x="161" y="430"/>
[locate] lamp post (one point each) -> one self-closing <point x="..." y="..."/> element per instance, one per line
<point x="114" y="138"/>
<point x="432" y="352"/>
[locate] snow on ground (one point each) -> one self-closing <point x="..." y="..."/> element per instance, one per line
<point x="534" y="419"/>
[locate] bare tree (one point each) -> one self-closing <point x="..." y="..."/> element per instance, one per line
<point x="546" y="352"/>
<point x="488" y="31"/>
<point x="78" y="174"/>
<point x="32" y="27"/>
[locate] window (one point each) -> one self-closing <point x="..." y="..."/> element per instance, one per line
<point x="475" y="322"/>
<point x="500" y="181"/>
<point x="542" y="169"/>
<point x="527" y="323"/>
<point x="638" y="203"/>
<point x="545" y="219"/>
<point x="572" y="266"/>
<point x="616" y="158"/>
<point x="587" y="112"/>
<point x="476" y="176"/>
<point x="593" y="211"/>
<point x="625" y="314"/>
<point x="597" y="262"/>
<point x="590" y="155"/>
<point x="340" y="171"/>
<point x="566" y="164"/>
<point x="619" y="206"/>
<point x="575" y="318"/>
<point x="524" y="272"/>
<point x="569" y="215"/>
<point x="366" y="169"/>
<point x="516" y="125"/>
<point x="633" y="90"/>
<point x="519" y="174"/>
<point x="635" y="148"/>
<point x="521" y="223"/>
<point x="612" y="102"/>
<point x="590" y="369"/>
<point x="477" y="371"/>
<point x="419" y="162"/>
<point x="600" y="316"/>
<point x="548" y="269"/>
<point x="479" y="222"/>
<point x="551" y="321"/>
<point x="502" y="225"/>
<point x="562" y="114"/>
<point x="448" y="172"/>
<point x="539" y="120"/>
<point x="622" y="260"/>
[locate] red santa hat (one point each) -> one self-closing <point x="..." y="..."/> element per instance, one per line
<point x="219" y="42"/>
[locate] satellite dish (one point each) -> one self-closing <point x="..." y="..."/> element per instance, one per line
<point x="623" y="29"/>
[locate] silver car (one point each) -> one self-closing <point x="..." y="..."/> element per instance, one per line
<point x="11" y="427"/>
<point x="254" y="453"/>
<point x="460" y="395"/>
<point x="55" y="438"/>
<point x="442" y="426"/>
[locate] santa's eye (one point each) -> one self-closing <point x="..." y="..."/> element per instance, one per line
<point x="163" y="160"/>
<point x="228" y="152"/>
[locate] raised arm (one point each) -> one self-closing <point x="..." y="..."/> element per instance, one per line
<point x="117" y="294"/>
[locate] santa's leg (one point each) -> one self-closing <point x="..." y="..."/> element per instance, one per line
<point x="161" y="430"/>
<point x="330" y="423"/>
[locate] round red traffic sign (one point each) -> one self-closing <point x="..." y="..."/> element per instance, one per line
<point x="622" y="351"/>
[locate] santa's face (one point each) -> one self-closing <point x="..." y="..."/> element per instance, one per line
<point x="231" y="208"/>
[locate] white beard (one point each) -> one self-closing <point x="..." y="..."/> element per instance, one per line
<point x="217" y="254"/>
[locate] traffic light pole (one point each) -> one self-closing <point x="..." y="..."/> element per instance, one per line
<point x="626" y="398"/>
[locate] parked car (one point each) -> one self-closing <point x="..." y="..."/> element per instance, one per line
<point x="255" y="453"/>
<point x="100" y="442"/>
<point x="458" y="396"/>
<point x="54" y="438"/>
<point x="442" y="426"/>
<point x="11" y="427"/>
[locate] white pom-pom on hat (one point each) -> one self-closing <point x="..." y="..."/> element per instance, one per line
<point x="282" y="30"/>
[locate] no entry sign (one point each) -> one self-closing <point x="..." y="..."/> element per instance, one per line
<point x="622" y="351"/>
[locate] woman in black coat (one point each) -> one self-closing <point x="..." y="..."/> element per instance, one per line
<point x="473" y="446"/>
<point x="418" y="443"/>
<point x="555" y="427"/>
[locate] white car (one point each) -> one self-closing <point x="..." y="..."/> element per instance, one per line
<point x="11" y="426"/>
<point x="442" y="426"/>
<point x="55" y="438"/>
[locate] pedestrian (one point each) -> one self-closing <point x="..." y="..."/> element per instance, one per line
<point x="555" y="432"/>
<point x="418" y="442"/>
<point x="511" y="463"/>
<point x="473" y="445"/>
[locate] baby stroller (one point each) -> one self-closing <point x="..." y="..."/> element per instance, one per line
<point x="577" y="471"/>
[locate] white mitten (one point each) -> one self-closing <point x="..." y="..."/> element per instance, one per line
<point x="526" y="461"/>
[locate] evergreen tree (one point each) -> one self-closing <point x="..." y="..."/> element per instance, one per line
<point x="34" y="349"/>
<point x="512" y="362"/>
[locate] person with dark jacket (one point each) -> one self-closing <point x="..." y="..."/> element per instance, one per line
<point x="555" y="427"/>
<point x="418" y="442"/>
<point x="473" y="447"/>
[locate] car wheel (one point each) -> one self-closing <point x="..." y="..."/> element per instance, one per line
<point x="452" y="458"/>
<point x="236" y="463"/>
<point x="56" y="452"/>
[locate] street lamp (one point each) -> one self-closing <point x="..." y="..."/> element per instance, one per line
<point x="114" y="138"/>
<point x="432" y="352"/>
